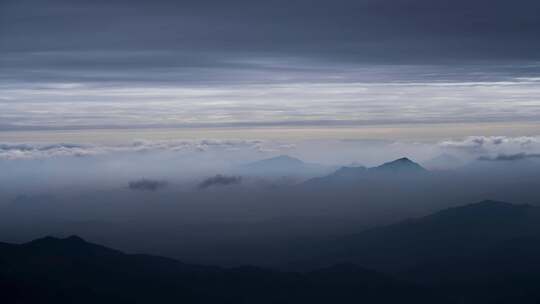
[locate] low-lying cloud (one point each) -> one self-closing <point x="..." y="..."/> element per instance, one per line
<point x="492" y="144"/>
<point x="178" y="160"/>
<point x="13" y="151"/>
<point x="511" y="157"/>
<point x="220" y="180"/>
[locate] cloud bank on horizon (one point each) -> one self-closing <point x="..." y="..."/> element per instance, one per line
<point x="208" y="153"/>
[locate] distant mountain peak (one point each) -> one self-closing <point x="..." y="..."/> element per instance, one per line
<point x="55" y="246"/>
<point x="49" y="239"/>
<point x="280" y="161"/>
<point x="403" y="160"/>
<point x="347" y="175"/>
<point x="284" y="158"/>
<point x="403" y="164"/>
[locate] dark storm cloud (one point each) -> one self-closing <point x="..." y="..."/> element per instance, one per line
<point x="116" y="64"/>
<point x="220" y="180"/>
<point x="94" y="34"/>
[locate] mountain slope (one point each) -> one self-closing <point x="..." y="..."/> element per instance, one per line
<point x="398" y="166"/>
<point x="486" y="252"/>
<point x="448" y="234"/>
<point x="70" y="270"/>
<point x="390" y="171"/>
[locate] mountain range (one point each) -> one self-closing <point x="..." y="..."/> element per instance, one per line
<point x="485" y="252"/>
<point x="448" y="234"/>
<point x="71" y="270"/>
<point x="344" y="176"/>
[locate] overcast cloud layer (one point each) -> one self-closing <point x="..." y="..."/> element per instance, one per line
<point x="356" y="30"/>
<point x="293" y="104"/>
<point x="97" y="64"/>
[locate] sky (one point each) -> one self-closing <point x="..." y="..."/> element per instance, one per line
<point x="136" y="123"/>
<point x="237" y="65"/>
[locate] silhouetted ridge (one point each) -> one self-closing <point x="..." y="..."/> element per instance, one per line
<point x="50" y="246"/>
<point x="285" y="159"/>
<point x="402" y="165"/>
<point x="51" y="240"/>
<point x="68" y="270"/>
<point x="75" y="238"/>
<point x="493" y="218"/>
<point x="447" y="234"/>
<point x="484" y="208"/>
<point x="483" y="252"/>
<point x="353" y="175"/>
<point x="349" y="172"/>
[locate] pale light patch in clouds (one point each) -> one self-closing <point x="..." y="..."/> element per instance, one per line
<point x="76" y="105"/>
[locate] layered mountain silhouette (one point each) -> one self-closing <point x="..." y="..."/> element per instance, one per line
<point x="71" y="270"/>
<point x="402" y="165"/>
<point x="485" y="252"/>
<point x="447" y="234"/>
<point x="398" y="168"/>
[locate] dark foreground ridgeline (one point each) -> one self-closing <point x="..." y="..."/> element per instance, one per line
<point x="71" y="270"/>
<point x="488" y="252"/>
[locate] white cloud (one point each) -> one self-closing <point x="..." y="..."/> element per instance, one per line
<point x="493" y="145"/>
<point x="351" y="100"/>
<point x="13" y="151"/>
<point x="327" y="151"/>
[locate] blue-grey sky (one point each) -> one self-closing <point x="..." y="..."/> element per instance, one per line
<point x="298" y="63"/>
<point x="125" y="120"/>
